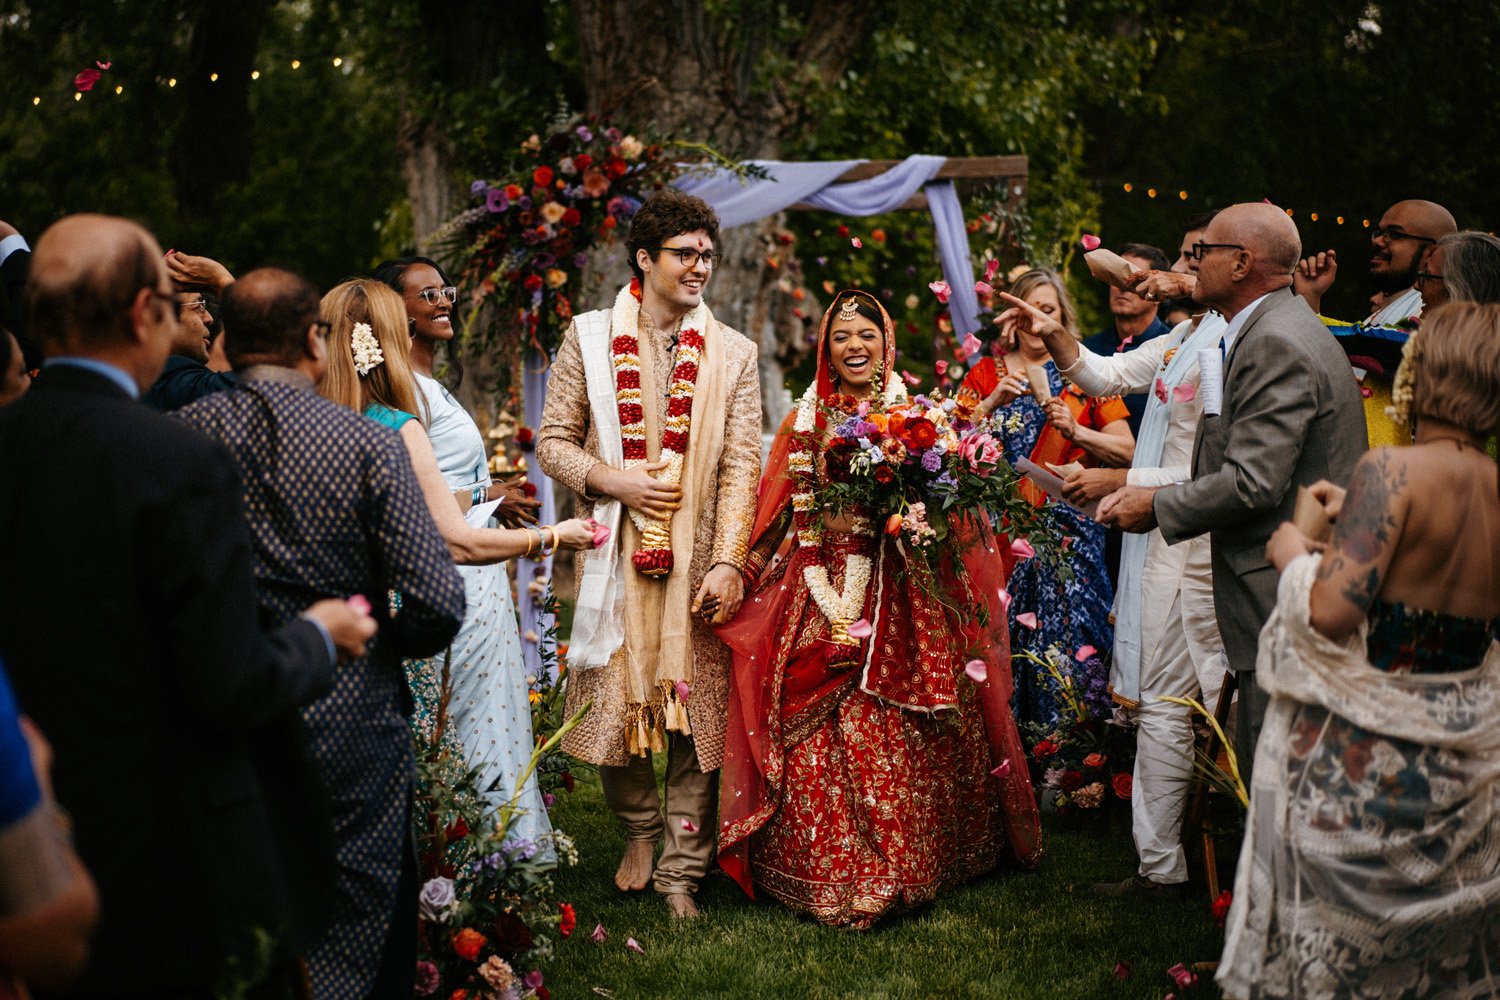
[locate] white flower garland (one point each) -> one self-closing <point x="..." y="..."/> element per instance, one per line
<point x="840" y="608"/>
<point x="366" y="349"/>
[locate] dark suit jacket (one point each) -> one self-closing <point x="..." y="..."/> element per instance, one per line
<point x="128" y="624"/>
<point x="183" y="381"/>
<point x="13" y="271"/>
<point x="1292" y="415"/>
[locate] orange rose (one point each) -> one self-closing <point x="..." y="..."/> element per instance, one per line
<point x="920" y="434"/>
<point x="1094" y="760"/>
<point x="467" y="944"/>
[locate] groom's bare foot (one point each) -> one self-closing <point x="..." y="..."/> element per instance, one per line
<point x="635" y="866"/>
<point x="682" y="906"/>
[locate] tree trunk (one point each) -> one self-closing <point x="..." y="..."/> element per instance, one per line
<point x="689" y="74"/>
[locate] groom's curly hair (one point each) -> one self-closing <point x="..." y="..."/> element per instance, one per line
<point x="666" y="214"/>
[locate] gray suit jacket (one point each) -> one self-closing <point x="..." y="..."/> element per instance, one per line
<point x="1292" y="415"/>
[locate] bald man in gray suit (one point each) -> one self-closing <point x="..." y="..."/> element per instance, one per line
<point x="1291" y="415"/>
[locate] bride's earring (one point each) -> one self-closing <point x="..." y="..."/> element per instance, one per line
<point x="878" y="378"/>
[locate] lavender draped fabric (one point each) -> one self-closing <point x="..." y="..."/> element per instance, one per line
<point x="528" y="605"/>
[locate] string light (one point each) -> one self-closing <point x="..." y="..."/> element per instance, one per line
<point x="1366" y="223"/>
<point x="36" y="100"/>
<point x="255" y="74"/>
<point x="296" y="64"/>
<point x="338" y="60"/>
<point x="1182" y="196"/>
<point x="1313" y="216"/>
<point x="172" y="82"/>
<point x="1151" y="192"/>
<point x="1289" y="213"/>
<point x="1129" y="187"/>
<point x="1339" y="220"/>
<point x="213" y="78"/>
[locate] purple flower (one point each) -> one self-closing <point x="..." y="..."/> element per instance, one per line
<point x="525" y="201"/>
<point x="478" y="187"/>
<point x="622" y="206"/>
<point x="437" y="900"/>
<point x="495" y="200"/>
<point x="584" y="133"/>
<point x="580" y="260"/>
<point x="548" y="799"/>
<point x="822" y="261"/>
<point x="427" y="979"/>
<point x="543" y="260"/>
<point x="519" y="848"/>
<point x="533" y="979"/>
<point x="923" y="402"/>
<point x="946" y="479"/>
<point x="613" y="134"/>
<point x="849" y="428"/>
<point x="931" y="460"/>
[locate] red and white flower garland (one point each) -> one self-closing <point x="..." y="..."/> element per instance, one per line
<point x="654" y="557"/>
<point x="840" y="607"/>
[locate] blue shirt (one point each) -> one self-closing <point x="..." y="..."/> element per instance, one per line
<point x="116" y="375"/>
<point x="1107" y="342"/>
<point x="19" y="792"/>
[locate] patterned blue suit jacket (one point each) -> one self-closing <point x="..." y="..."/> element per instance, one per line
<point x="334" y="509"/>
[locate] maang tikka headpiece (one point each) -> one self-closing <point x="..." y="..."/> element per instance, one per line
<point x="849" y="309"/>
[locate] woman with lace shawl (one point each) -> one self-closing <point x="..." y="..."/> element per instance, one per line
<point x="1371" y="864"/>
<point x="864" y="773"/>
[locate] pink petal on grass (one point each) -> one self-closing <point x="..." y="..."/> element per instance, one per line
<point x="1182" y="975"/>
<point x="359" y="602"/>
<point x="1003" y="770"/>
<point x="1021" y="549"/>
<point x="86" y="79"/>
<point x="971" y="345"/>
<point x="634" y="946"/>
<point x="1084" y="652"/>
<point x="683" y="690"/>
<point x="599" y="935"/>
<point x="856" y="244"/>
<point x="1122" y="970"/>
<point x="991" y="269"/>
<point x="860" y="629"/>
<point x="941" y="290"/>
<point x="689" y="825"/>
<point x="1089" y="242"/>
<point x="1026" y="618"/>
<point x="977" y="670"/>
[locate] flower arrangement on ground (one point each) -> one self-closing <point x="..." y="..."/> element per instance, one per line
<point x="1085" y="763"/>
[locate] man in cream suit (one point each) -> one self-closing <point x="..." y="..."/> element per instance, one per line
<point x="1290" y="415"/>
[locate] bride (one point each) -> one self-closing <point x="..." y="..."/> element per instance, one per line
<point x="864" y="773"/>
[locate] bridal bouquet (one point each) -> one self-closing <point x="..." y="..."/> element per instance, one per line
<point x="906" y="462"/>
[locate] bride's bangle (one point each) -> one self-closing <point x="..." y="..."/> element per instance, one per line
<point x="546" y="550"/>
<point x="533" y="539"/>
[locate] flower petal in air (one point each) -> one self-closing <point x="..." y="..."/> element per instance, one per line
<point x="1004" y="599"/>
<point x="1026" y="618"/>
<point x="86" y="79"/>
<point x="359" y="602"/>
<point x="1089" y="242"/>
<point x="991" y="269"/>
<point x="971" y="345"/>
<point x="939" y="288"/>
<point x="983" y="288"/>
<point x="861" y="629"/>
<point x="689" y="825"/>
<point x="1084" y="652"/>
<point x="940" y="366"/>
<point x="599" y="935"/>
<point x="1003" y="769"/>
<point x="977" y="670"/>
<point x="911" y="379"/>
<point x="105" y="64"/>
<point x="634" y="946"/>
<point x="1021" y="549"/>
<point x="856" y="244"/>
<point x="683" y="690"/>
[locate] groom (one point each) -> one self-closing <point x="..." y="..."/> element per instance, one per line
<point x="653" y="416"/>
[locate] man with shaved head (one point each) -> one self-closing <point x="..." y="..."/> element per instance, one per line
<point x="1289" y="416"/>
<point x="129" y="628"/>
<point x="332" y="501"/>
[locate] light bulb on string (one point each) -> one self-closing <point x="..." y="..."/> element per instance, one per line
<point x="1129" y="187"/>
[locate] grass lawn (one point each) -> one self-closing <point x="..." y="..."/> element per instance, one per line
<point x="1009" y="934"/>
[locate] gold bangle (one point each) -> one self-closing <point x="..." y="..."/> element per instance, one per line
<point x="553" y="528"/>
<point x="531" y="538"/>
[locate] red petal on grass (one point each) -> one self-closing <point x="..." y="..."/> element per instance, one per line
<point x="1003" y="771"/>
<point x="977" y="670"/>
<point x="1026" y="618"/>
<point x="1089" y="242"/>
<point x="1122" y="970"/>
<point x="1084" y="652"/>
<point x="634" y="946"/>
<point x="1182" y="975"/>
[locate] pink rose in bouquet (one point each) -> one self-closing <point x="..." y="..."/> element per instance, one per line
<point x="981" y="451"/>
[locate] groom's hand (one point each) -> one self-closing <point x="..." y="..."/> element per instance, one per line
<point x="722" y="592"/>
<point x="1129" y="508"/>
<point x="638" y="489"/>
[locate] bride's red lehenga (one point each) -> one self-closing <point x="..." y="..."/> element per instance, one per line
<point x="854" y="790"/>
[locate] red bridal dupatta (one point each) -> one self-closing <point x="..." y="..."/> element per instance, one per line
<point x="914" y="659"/>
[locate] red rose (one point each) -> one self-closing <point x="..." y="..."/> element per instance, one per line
<point x="1071" y="780"/>
<point x="569" y="919"/>
<point x="1123" y="785"/>
<point x="572" y="217"/>
<point x="1221" y="906"/>
<point x="843" y="232"/>
<point x="524" y="436"/>
<point x="532" y="282"/>
<point x="582" y="161"/>
<point x="542" y="176"/>
<point x="616" y="168"/>
<point x="513" y="192"/>
<point x="457" y="830"/>
<point x="512" y="936"/>
<point x="919" y="434"/>
<point x="1046" y="748"/>
<point x="883" y="474"/>
<point x="467" y="944"/>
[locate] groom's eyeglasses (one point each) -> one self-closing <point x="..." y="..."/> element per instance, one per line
<point x="690" y="256"/>
<point x="1198" y="251"/>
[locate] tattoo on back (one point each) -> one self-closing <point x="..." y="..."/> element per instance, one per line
<point x="1365" y="526"/>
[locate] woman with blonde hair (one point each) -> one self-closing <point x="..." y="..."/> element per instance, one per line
<point x="1369" y="860"/>
<point x="369" y="369"/>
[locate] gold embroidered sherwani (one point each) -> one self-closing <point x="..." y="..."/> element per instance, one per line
<point x="567" y="448"/>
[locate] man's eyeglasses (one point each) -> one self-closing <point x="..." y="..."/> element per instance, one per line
<point x="1198" y="251"/>
<point x="195" y="305"/>
<point x="432" y="296"/>
<point x="691" y="255"/>
<point x="1393" y="235"/>
<point x="1428" y="276"/>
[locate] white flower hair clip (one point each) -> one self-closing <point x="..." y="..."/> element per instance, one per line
<point x="366" y="349"/>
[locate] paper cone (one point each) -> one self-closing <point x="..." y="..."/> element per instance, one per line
<point x="1109" y="267"/>
<point x="1309" y="517"/>
<point x="1041" y="388"/>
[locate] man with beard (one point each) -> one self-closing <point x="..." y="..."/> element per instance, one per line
<point x="1405" y="232"/>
